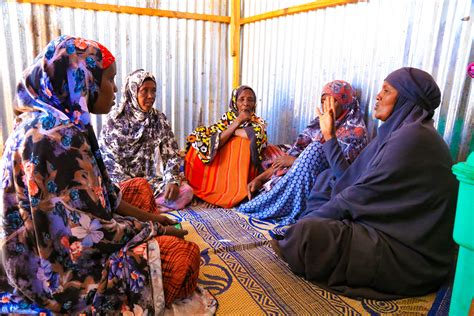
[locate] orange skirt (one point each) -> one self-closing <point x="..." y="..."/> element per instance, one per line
<point x="224" y="180"/>
<point x="180" y="259"/>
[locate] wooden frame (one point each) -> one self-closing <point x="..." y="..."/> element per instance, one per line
<point x="130" y="10"/>
<point x="235" y="20"/>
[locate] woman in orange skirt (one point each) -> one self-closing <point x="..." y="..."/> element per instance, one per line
<point x="223" y="158"/>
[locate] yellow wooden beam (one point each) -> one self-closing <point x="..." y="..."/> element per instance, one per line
<point x="235" y="19"/>
<point x="235" y="41"/>
<point x="296" y="9"/>
<point x="129" y="10"/>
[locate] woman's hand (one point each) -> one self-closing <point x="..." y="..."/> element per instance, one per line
<point x="283" y="162"/>
<point x="164" y="220"/>
<point x="173" y="231"/>
<point x="254" y="186"/>
<point x="126" y="209"/>
<point x="243" y="117"/>
<point x="327" y="118"/>
<point x="171" y="191"/>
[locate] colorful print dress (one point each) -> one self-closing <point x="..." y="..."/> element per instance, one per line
<point x="139" y="144"/>
<point x="63" y="246"/>
<point x="219" y="173"/>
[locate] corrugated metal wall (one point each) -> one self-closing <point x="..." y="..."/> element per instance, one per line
<point x="188" y="57"/>
<point x="289" y="59"/>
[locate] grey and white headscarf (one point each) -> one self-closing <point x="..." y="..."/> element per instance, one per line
<point x="135" y="143"/>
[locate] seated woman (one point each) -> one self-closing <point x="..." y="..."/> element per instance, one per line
<point x="69" y="243"/>
<point x="383" y="230"/>
<point x="223" y="158"/>
<point x="137" y="142"/>
<point x="286" y="194"/>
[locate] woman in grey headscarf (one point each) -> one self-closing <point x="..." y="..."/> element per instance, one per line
<point x="137" y="143"/>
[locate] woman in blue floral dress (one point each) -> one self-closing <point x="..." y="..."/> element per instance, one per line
<point x="70" y="244"/>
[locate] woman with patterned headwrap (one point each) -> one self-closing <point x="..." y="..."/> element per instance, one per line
<point x="139" y="147"/>
<point x="70" y="244"/>
<point x="292" y="176"/>
<point x="222" y="158"/>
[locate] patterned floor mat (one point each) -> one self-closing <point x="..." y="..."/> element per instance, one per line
<point x="242" y="271"/>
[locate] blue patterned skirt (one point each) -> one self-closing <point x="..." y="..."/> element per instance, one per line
<point x="286" y="201"/>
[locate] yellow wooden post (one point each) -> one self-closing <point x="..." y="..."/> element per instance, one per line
<point x="235" y="41"/>
<point x="315" y="5"/>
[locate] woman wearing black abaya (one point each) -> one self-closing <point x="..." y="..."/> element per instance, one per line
<point x="383" y="230"/>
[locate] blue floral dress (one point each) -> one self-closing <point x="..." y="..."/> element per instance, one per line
<point x="63" y="246"/>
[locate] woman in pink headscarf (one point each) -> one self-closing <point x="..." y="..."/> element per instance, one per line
<point x="289" y="180"/>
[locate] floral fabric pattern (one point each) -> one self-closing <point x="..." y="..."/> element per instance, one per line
<point x="137" y="144"/>
<point x="63" y="247"/>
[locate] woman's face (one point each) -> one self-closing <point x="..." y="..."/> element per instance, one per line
<point x="386" y="99"/>
<point x="146" y="95"/>
<point x="246" y="101"/>
<point x="107" y="90"/>
<point x="337" y="107"/>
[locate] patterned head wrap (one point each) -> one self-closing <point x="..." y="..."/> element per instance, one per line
<point x="235" y="96"/>
<point x="341" y="91"/>
<point x="129" y="103"/>
<point x="350" y="127"/>
<point x="206" y="139"/>
<point x="107" y="57"/>
<point x="64" y="81"/>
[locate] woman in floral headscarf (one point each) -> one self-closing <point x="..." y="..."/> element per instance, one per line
<point x="291" y="177"/>
<point x="65" y="245"/>
<point x="137" y="142"/>
<point x="222" y="158"/>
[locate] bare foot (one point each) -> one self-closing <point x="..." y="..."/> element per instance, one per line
<point x="276" y="247"/>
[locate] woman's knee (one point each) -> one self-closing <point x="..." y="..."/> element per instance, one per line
<point x="136" y="183"/>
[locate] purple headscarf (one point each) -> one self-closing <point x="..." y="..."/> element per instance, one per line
<point x="418" y="97"/>
<point x="416" y="86"/>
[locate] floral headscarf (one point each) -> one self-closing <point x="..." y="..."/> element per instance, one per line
<point x="129" y="102"/>
<point x="135" y="143"/>
<point x="66" y="97"/>
<point x="206" y="139"/>
<point x="350" y="126"/>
